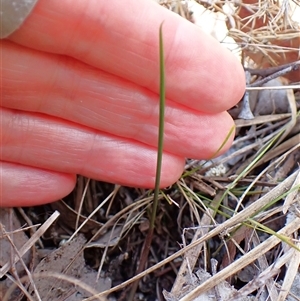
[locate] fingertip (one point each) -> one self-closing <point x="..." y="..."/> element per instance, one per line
<point x="221" y="139"/>
<point x="172" y="169"/>
<point x="140" y="170"/>
<point x="234" y="75"/>
<point x="22" y="186"/>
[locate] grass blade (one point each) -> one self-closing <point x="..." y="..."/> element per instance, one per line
<point x="148" y="240"/>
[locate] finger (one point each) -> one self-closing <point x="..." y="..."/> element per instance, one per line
<point x="121" y="37"/>
<point x="27" y="186"/>
<point x="77" y="92"/>
<point x="49" y="143"/>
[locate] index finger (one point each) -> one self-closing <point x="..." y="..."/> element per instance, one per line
<point x="121" y="37"/>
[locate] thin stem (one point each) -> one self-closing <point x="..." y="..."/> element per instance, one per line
<point x="161" y="127"/>
<point x="148" y="240"/>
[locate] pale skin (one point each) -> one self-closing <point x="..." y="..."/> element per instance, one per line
<point x="80" y="95"/>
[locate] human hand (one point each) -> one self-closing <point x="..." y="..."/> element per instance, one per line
<point x="79" y="95"/>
